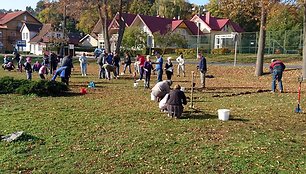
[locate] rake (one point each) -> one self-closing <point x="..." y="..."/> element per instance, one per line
<point x="298" y="108"/>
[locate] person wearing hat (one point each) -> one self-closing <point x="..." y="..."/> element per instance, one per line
<point x="169" y="68"/>
<point x="277" y="68"/>
<point x="175" y="102"/>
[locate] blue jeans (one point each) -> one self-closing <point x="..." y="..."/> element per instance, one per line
<point x="277" y="75"/>
<point x="101" y="72"/>
<point x="83" y="68"/>
<point x="125" y="66"/>
<point x="29" y="75"/>
<point x="159" y="75"/>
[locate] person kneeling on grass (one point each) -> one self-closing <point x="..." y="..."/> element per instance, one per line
<point x="175" y="102"/>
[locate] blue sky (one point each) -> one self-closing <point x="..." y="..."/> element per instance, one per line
<point x="21" y="4"/>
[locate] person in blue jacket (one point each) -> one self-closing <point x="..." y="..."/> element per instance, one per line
<point x="202" y="67"/>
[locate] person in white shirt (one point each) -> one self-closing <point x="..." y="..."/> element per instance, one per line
<point x="181" y="65"/>
<point x="83" y="64"/>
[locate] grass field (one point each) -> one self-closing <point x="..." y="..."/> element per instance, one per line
<point x="115" y="128"/>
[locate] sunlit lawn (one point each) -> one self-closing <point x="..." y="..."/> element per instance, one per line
<point x="115" y="128"/>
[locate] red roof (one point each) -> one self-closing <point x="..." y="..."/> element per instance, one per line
<point x="128" y="18"/>
<point x="157" y="24"/>
<point x="41" y="37"/>
<point x="10" y="16"/>
<point x="218" y="23"/>
<point x="190" y="25"/>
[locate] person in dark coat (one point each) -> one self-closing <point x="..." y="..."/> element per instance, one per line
<point x="67" y="61"/>
<point x="175" y="102"/>
<point x="202" y="66"/>
<point x="169" y="68"/>
<point x="54" y="62"/>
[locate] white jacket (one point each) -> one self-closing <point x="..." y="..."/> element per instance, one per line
<point x="180" y="60"/>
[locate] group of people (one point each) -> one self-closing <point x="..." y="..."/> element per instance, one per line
<point x="48" y="64"/>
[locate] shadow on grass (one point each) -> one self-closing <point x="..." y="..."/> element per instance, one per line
<point x="197" y="114"/>
<point x="27" y="137"/>
<point x="232" y="118"/>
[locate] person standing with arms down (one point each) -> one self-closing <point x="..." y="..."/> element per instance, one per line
<point x="169" y="68"/>
<point x="148" y="68"/>
<point x="202" y="67"/>
<point x="277" y="68"/>
<point x="83" y="64"/>
<point x="181" y="65"/>
<point x="159" y="67"/>
<point x="127" y="62"/>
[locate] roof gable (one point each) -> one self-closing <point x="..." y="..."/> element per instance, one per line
<point x="7" y="17"/>
<point x="46" y="28"/>
<point x="218" y="23"/>
<point x="157" y="24"/>
<point x="32" y="27"/>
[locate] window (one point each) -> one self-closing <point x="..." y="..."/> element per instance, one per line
<point x="58" y="35"/>
<point x="27" y="36"/>
<point x="0" y="33"/>
<point x="25" y="17"/>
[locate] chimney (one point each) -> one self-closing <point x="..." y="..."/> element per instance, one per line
<point x="207" y="17"/>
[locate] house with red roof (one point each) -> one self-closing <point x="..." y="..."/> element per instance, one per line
<point x="216" y="27"/>
<point x="153" y="24"/>
<point x="48" y="36"/>
<point x="10" y="25"/>
<point x="28" y="31"/>
<point x="198" y="25"/>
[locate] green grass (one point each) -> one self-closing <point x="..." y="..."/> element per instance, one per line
<point x="117" y="129"/>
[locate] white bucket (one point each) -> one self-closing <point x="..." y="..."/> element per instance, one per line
<point x="223" y="114"/>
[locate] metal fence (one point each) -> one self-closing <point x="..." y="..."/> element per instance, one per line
<point x="277" y="42"/>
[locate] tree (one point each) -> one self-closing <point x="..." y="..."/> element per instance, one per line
<point x="170" y="39"/>
<point x="134" y="38"/>
<point x="104" y="18"/>
<point x="50" y="15"/>
<point x="140" y="7"/>
<point x="261" y="41"/>
<point x="121" y="28"/>
<point x="242" y="12"/>
<point x="88" y="20"/>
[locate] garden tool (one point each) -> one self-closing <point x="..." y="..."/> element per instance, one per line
<point x="298" y="108"/>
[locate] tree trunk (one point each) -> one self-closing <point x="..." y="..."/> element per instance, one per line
<point x="121" y="28"/>
<point x="304" y="41"/>
<point x="261" y="41"/>
<point x="104" y="18"/>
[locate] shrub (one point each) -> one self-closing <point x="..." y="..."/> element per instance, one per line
<point x="43" y="88"/>
<point x="221" y="51"/>
<point x="9" y="85"/>
<point x="25" y="87"/>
